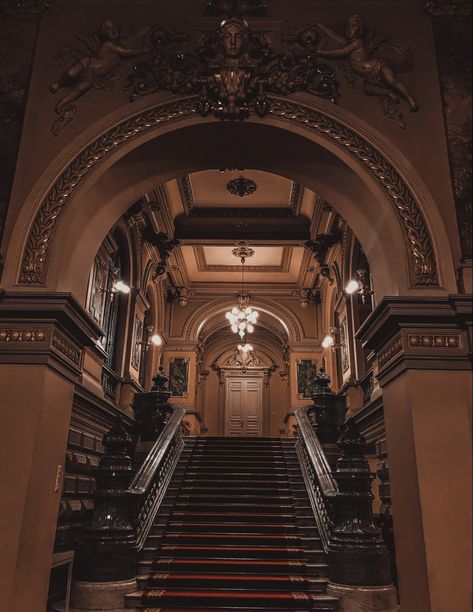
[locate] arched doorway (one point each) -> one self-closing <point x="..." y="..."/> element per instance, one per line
<point x="54" y="238"/>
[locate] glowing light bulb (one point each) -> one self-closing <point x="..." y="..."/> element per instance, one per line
<point x="156" y="340"/>
<point x="121" y="287"/>
<point x="328" y="341"/>
<point x="352" y="287"/>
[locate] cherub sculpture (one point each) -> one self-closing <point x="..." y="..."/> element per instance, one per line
<point x="376" y="60"/>
<point x="98" y="67"/>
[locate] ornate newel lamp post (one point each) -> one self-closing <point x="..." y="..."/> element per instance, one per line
<point x="152" y="409"/>
<point x="108" y="553"/>
<point x="324" y="409"/>
<point x="359" y="563"/>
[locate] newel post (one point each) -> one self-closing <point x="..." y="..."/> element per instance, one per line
<point x="359" y="563"/>
<point x="325" y="410"/>
<point x="152" y="409"/>
<point x="106" y="558"/>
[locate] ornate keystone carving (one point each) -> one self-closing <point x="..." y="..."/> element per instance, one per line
<point x="234" y="69"/>
<point x="108" y="549"/>
<point x="357" y="553"/>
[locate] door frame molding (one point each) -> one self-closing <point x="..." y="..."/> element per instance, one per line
<point x="223" y="375"/>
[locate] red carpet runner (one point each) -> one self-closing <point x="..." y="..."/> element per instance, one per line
<point x="240" y="534"/>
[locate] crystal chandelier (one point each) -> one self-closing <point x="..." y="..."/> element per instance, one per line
<point x="242" y="318"/>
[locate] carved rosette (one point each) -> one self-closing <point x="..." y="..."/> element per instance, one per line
<point x="417" y="238"/>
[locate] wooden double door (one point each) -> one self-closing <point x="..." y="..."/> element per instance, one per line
<point x="244" y="407"/>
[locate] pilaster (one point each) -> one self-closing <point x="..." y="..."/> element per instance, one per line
<point x="423" y="355"/>
<point x="42" y="340"/>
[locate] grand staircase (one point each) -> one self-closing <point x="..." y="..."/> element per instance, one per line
<point x="235" y="532"/>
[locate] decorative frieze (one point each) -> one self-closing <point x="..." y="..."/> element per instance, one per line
<point x="434" y="341"/>
<point x="69" y="350"/>
<point x="390" y="352"/>
<point x="22" y="335"/>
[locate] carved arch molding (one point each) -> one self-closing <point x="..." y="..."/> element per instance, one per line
<point x="37" y="253"/>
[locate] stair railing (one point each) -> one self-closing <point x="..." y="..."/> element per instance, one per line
<point x="320" y="483"/>
<point x="150" y="483"/>
<point x="341" y="499"/>
<point x="125" y="511"/>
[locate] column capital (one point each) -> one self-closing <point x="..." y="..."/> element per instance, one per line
<point x="432" y="333"/>
<point x="45" y="329"/>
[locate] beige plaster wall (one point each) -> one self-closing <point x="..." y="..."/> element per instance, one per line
<point x="35" y="411"/>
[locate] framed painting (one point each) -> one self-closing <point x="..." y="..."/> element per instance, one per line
<point x="179" y="377"/>
<point x="306" y="375"/>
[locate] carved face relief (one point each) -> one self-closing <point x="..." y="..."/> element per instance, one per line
<point x="109" y="30"/>
<point x="355" y="27"/>
<point x="233" y="35"/>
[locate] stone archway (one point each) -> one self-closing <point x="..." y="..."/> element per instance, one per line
<point x="369" y="184"/>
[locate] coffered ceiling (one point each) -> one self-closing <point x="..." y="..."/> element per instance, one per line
<point x="275" y="220"/>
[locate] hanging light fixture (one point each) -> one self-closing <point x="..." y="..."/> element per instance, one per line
<point x="242" y="318"/>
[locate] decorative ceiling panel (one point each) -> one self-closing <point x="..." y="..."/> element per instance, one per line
<point x="209" y="189"/>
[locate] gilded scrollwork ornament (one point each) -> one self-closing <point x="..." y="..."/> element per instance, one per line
<point x="448" y="8"/>
<point x="23" y="7"/>
<point x="233" y="70"/>
<point x="234" y="8"/>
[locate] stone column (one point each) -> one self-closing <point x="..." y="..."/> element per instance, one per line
<point x="42" y="337"/>
<point x="423" y="352"/>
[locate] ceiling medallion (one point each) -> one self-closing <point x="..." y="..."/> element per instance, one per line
<point x="243" y="253"/>
<point x="242" y="187"/>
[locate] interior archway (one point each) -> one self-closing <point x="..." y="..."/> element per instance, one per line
<point x="363" y="199"/>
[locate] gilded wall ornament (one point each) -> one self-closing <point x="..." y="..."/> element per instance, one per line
<point x="94" y="64"/>
<point x="233" y="70"/>
<point x="448" y="8"/>
<point x="242" y="187"/>
<point x="26" y="7"/>
<point x="238" y="8"/>
<point x="377" y="60"/>
<point x="417" y="238"/>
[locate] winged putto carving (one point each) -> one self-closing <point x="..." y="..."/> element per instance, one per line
<point x="378" y="60"/>
<point x="95" y="63"/>
<point x="232" y="69"/>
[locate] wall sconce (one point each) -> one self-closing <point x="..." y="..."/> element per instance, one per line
<point x="153" y="339"/>
<point x="332" y="340"/>
<point x="360" y="286"/>
<point x="118" y="285"/>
